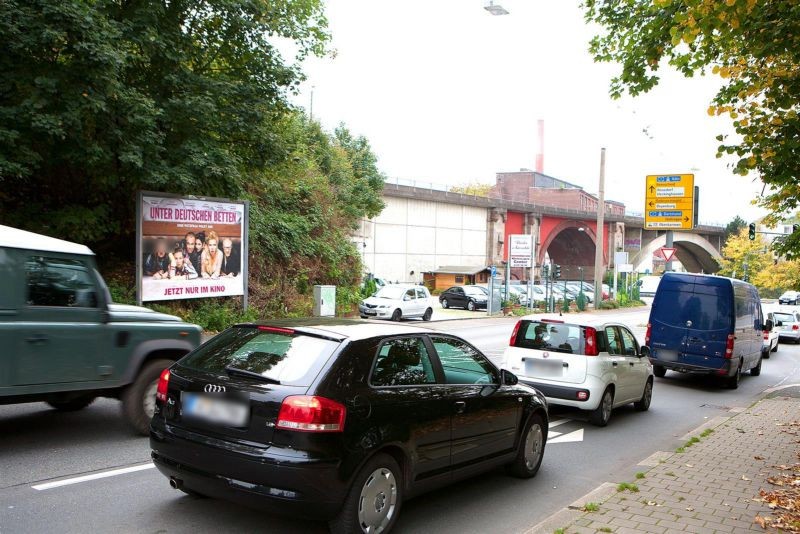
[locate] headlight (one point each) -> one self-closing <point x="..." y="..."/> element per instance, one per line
<point x="384" y="306"/>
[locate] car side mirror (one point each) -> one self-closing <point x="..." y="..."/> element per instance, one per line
<point x="507" y="378"/>
<point x="644" y="351"/>
<point x="768" y="326"/>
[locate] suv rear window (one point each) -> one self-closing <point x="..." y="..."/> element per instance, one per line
<point x="554" y="337"/>
<point x="289" y="357"/>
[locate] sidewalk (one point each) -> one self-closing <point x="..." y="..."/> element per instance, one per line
<point x="711" y="487"/>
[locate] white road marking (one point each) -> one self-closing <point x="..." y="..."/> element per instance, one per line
<point x="567" y="438"/>
<point x="557" y="422"/>
<point x="94" y="476"/>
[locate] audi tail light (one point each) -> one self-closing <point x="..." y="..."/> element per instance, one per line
<point x="729" y="346"/>
<point x="305" y="413"/>
<point x="513" y="340"/>
<point x="163" y="384"/>
<point x="647" y="335"/>
<point x="590" y="336"/>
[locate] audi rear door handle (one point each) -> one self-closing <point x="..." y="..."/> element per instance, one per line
<point x="37" y="339"/>
<point x="460" y="406"/>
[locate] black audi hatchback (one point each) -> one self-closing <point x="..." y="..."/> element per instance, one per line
<point x="339" y="420"/>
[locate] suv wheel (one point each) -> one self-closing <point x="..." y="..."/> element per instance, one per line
<point x="397" y="315"/>
<point x="659" y="371"/>
<point x="530" y="451"/>
<point x="139" y="398"/>
<point x="602" y="413"/>
<point x="643" y="404"/>
<point x="471" y="305"/>
<point x="72" y="405"/>
<point x="427" y="315"/>
<point x="374" y="499"/>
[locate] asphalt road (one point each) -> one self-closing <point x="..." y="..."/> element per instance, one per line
<point x="41" y="446"/>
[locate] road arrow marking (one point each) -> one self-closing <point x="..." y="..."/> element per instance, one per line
<point x="567" y="438"/>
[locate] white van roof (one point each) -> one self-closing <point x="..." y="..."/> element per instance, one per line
<point x="15" y="238"/>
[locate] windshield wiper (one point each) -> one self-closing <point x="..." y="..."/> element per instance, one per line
<point x="250" y="374"/>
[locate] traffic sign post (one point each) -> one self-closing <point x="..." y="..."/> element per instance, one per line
<point x="669" y="202"/>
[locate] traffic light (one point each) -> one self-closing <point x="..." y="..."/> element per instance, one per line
<point x="545" y="271"/>
<point x="557" y="270"/>
<point x="752" y="233"/>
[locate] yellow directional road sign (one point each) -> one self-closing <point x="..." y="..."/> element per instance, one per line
<point x="669" y="202"/>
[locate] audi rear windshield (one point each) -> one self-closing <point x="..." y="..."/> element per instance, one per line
<point x="277" y="354"/>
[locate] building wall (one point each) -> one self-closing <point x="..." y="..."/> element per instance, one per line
<point x="416" y="236"/>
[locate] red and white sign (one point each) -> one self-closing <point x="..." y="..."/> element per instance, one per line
<point x="667" y="253"/>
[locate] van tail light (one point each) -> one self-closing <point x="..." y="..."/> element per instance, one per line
<point x="647" y="335"/>
<point x="729" y="346"/>
<point x="590" y="335"/>
<point x="766" y="335"/>
<point x="163" y="384"/>
<point x="305" y="413"/>
<point x="513" y="340"/>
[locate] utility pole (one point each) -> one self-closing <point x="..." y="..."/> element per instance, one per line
<point x="598" y="252"/>
<point x="311" y="106"/>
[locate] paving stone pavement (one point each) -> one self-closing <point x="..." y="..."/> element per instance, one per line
<point x="709" y="488"/>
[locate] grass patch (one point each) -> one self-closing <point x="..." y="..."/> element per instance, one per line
<point x="591" y="507"/>
<point x="670" y="474"/>
<point x="559" y="531"/>
<point x="639" y="475"/>
<point x="633" y="488"/>
<point x="681" y="498"/>
<point x="707" y="432"/>
<point x="680" y="450"/>
<point x="605" y="529"/>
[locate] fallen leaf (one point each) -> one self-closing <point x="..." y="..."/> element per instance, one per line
<point x="689" y="465"/>
<point x="689" y="509"/>
<point x="758" y="457"/>
<point x="745" y="478"/>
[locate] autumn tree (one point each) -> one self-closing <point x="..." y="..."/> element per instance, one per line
<point x="476" y="188"/>
<point x="752" y="46"/>
<point x="742" y="256"/>
<point x="779" y="277"/>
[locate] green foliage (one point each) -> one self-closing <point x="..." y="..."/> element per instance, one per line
<point x="368" y="288"/>
<point x="581" y="301"/>
<point x="739" y="254"/>
<point x="640" y="475"/>
<point x="608" y="305"/>
<point x="754" y="48"/>
<point x="565" y="304"/>
<point x="623" y="486"/>
<point x="591" y="507"/>
<point x="734" y="227"/>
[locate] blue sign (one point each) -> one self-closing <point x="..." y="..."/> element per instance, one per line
<point x="494" y="271"/>
<point x="668" y="179"/>
<point x="665" y="213"/>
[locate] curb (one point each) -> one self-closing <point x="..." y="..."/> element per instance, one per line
<point x="604" y="491"/>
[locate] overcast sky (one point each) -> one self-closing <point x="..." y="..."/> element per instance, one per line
<point x="447" y="93"/>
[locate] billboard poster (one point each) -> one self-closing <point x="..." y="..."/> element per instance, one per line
<point x="190" y="247"/>
<point x="520" y="250"/>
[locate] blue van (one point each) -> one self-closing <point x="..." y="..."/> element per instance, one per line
<point x="706" y="324"/>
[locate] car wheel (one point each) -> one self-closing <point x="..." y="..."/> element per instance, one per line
<point x="373" y="502"/>
<point x="602" y="413"/>
<point x="659" y="371"/>
<point x="427" y="315"/>
<point x="531" y="449"/>
<point x="471" y="305"/>
<point x="643" y="404"/>
<point x="139" y="398"/>
<point x="755" y="371"/>
<point x="445" y="305"/>
<point x="733" y="381"/>
<point x="775" y="348"/>
<point x="72" y="405"/>
<point x="397" y="315"/>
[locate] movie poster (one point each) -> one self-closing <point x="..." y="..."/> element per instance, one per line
<point x="190" y="247"/>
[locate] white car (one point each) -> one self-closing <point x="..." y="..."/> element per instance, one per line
<point x="787" y="324"/>
<point x="771" y="337"/>
<point x="398" y="301"/>
<point x="592" y="365"/>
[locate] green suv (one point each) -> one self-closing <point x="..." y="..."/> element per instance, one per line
<point x="63" y="341"/>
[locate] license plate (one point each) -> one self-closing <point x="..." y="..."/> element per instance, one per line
<point x="214" y="410"/>
<point x="543" y="368"/>
<point x="370" y="312"/>
<point x="668" y="355"/>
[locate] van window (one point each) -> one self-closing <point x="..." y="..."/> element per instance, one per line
<point x="59" y="282"/>
<point x="705" y="311"/>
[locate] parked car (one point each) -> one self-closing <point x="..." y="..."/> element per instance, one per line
<point x="517" y="292"/>
<point x="706" y="325"/>
<point x="397" y="301"/>
<point x="469" y="297"/>
<point x="771" y="337"/>
<point x="66" y="343"/>
<point x="648" y="285"/>
<point x="787" y="324"/>
<point x="591" y="365"/>
<point x="340" y="420"/>
<point x="576" y="287"/>
<point x="789" y="297"/>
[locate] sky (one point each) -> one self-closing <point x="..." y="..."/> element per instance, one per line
<point x="447" y="93"/>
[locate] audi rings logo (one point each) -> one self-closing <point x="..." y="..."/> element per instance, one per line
<point x="214" y="388"/>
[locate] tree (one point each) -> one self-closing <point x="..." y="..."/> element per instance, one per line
<point x="734" y="226"/>
<point x="477" y="189"/>
<point x="754" y="47"/>
<point x="740" y="256"/>
<point x="100" y="99"/>
<point x="779" y="277"/>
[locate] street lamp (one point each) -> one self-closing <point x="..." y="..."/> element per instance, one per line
<point x="495" y="9"/>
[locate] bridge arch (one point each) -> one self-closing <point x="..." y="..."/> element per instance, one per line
<point x="694" y="251"/>
<point x="571" y="244"/>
